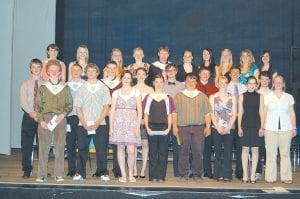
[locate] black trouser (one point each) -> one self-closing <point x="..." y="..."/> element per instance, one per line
<point x="262" y="154"/>
<point x="100" y="141"/>
<point x="28" y="132"/>
<point x="223" y="164"/>
<point x="238" y="148"/>
<point x="158" y="156"/>
<point x="71" y="141"/>
<point x="176" y="149"/>
<point x="208" y="144"/>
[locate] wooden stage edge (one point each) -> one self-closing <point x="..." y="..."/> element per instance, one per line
<point x="10" y="175"/>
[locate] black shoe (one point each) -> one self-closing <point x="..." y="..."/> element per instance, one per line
<point x="142" y="176"/>
<point x="70" y="174"/>
<point x="96" y="175"/>
<point x="208" y="175"/>
<point x="239" y="177"/>
<point x="136" y="176"/>
<point x="26" y="174"/>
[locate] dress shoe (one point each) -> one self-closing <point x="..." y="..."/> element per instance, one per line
<point x="26" y="174"/>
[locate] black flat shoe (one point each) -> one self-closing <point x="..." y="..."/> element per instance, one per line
<point x="142" y="176"/>
<point x="136" y="176"/>
<point x="244" y="181"/>
<point x="26" y="175"/>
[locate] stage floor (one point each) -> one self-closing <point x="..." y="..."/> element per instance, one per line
<point x="10" y="177"/>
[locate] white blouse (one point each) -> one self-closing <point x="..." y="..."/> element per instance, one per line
<point x="278" y="108"/>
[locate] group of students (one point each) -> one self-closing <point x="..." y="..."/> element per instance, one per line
<point x="146" y="104"/>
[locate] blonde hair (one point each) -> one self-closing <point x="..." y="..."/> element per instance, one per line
<point x="120" y="64"/>
<point x="223" y="78"/>
<point x="53" y="62"/>
<point x="94" y="66"/>
<point x="86" y="52"/>
<point x="250" y="54"/>
<point x="138" y="49"/>
<point x="230" y="58"/>
<point x="283" y="81"/>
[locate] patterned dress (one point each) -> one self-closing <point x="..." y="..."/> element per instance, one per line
<point x="125" y="120"/>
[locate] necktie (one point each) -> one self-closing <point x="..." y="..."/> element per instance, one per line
<point x="236" y="91"/>
<point x="205" y="89"/>
<point x="279" y="125"/>
<point x="35" y="91"/>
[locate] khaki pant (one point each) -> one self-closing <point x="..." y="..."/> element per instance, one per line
<point x="273" y="140"/>
<point x="58" y="135"/>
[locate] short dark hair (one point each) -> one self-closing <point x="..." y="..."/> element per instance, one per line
<point x="164" y="47"/>
<point x="190" y="75"/>
<point x="203" y="69"/>
<point x="111" y="62"/>
<point x="265" y="74"/>
<point x="127" y="72"/>
<point x="235" y="68"/>
<point x="35" y="61"/>
<point x="171" y="65"/>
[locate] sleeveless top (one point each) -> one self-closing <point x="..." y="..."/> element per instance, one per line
<point x="223" y="111"/>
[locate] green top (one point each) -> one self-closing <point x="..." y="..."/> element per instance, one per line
<point x="47" y="102"/>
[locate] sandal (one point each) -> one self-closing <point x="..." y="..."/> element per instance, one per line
<point x="287" y="181"/>
<point x="132" y="179"/>
<point x="122" y="179"/>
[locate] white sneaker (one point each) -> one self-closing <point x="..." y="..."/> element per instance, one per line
<point x="77" y="177"/>
<point x="58" y="179"/>
<point x="41" y="179"/>
<point x="105" y="178"/>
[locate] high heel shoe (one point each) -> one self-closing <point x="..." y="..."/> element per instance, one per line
<point x="142" y="176"/>
<point x="244" y="181"/>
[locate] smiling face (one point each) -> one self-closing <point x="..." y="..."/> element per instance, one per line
<point x="111" y="70"/>
<point x="141" y="75"/>
<point x="171" y="72"/>
<point x="265" y="58"/>
<point x="138" y="55"/>
<point x="190" y="82"/>
<point x="225" y="56"/>
<point x="204" y="75"/>
<point x="245" y="58"/>
<point x="116" y="56"/>
<point x="235" y="74"/>
<point x="126" y="79"/>
<point x="54" y="71"/>
<point x="205" y="55"/>
<point x="264" y="81"/>
<point x="278" y="83"/>
<point x="92" y="73"/>
<point x="35" y="69"/>
<point x="82" y="53"/>
<point x="158" y="83"/>
<point x="223" y="83"/>
<point x="251" y="84"/>
<point x="76" y="71"/>
<point x="52" y="53"/>
<point x="163" y="56"/>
